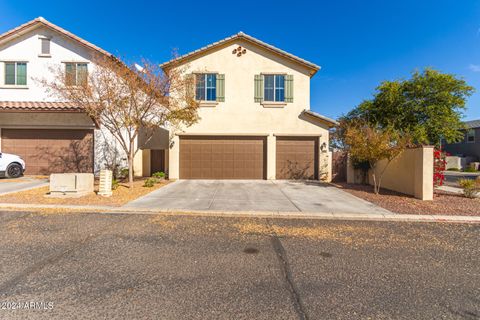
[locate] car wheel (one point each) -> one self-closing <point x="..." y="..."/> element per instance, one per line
<point x="14" y="170"/>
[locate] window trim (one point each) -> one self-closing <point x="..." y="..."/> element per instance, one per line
<point x="45" y="55"/>
<point x="15" y="63"/>
<point x="205" y="102"/>
<point x="76" y="63"/>
<point x="467" y="135"/>
<point x="274" y="101"/>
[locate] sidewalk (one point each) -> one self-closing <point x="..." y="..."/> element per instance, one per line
<point x="253" y="214"/>
<point x="453" y="190"/>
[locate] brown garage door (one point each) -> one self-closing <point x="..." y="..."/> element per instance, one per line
<point x="297" y="158"/>
<point x="222" y="157"/>
<point x="48" y="151"/>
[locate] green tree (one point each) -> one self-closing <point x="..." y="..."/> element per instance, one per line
<point x="428" y="107"/>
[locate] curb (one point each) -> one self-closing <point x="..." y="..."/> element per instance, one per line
<point x="256" y="214"/>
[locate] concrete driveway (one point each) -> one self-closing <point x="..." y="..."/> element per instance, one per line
<point x="24" y="183"/>
<point x="254" y="195"/>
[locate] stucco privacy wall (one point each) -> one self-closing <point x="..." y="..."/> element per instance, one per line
<point x="410" y="173"/>
<point x="239" y="114"/>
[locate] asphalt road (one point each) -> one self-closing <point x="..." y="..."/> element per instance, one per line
<point x="98" y="266"/>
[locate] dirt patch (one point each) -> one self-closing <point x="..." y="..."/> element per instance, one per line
<point x="444" y="203"/>
<point x="120" y="196"/>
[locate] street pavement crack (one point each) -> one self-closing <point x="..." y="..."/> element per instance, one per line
<point x="287" y="274"/>
<point x="8" y="284"/>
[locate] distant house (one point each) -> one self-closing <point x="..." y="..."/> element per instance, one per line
<point x="470" y="145"/>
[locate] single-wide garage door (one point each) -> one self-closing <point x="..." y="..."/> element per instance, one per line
<point x="222" y="157"/>
<point x="297" y="158"/>
<point x="48" y="151"/>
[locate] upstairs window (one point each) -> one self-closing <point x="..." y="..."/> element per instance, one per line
<point x="76" y="74"/>
<point x="206" y="87"/>
<point x="274" y="88"/>
<point x="44" y="46"/>
<point x="16" y="73"/>
<point x="471" y="136"/>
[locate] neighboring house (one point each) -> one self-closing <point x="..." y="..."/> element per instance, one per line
<point x="255" y="119"/>
<point x="50" y="135"/>
<point x="470" y="145"/>
<point x="255" y="115"/>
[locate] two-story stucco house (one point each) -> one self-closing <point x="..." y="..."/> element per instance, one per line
<point x="255" y="115"/>
<point x="51" y="135"/>
<point x="255" y="119"/>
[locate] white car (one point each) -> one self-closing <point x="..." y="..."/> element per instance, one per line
<point x="11" y="165"/>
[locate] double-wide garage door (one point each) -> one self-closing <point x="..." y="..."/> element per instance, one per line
<point x="48" y="151"/>
<point x="222" y="157"/>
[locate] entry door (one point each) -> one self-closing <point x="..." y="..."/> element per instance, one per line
<point x="157" y="161"/>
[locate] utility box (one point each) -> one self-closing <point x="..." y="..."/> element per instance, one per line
<point x="105" y="187"/>
<point x="71" y="184"/>
<point x="475" y="165"/>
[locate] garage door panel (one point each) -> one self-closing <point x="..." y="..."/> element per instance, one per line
<point x="48" y="151"/>
<point x="297" y="158"/>
<point x="222" y="157"/>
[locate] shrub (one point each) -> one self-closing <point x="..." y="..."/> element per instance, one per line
<point x="150" y="182"/>
<point x="115" y="184"/>
<point x="123" y="173"/>
<point x="469" y="169"/>
<point x="453" y="169"/>
<point x="469" y="186"/>
<point x="159" y="175"/>
<point x="439" y="165"/>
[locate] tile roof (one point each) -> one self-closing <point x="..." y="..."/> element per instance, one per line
<point x="244" y="36"/>
<point x="472" y="124"/>
<point x="40" y="21"/>
<point x="38" y="106"/>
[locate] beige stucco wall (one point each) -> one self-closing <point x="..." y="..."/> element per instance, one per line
<point x="51" y="120"/>
<point x="410" y="173"/>
<point x="239" y="114"/>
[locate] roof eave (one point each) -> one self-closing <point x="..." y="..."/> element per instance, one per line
<point x="329" y="121"/>
<point x="40" y="21"/>
<point x="180" y="60"/>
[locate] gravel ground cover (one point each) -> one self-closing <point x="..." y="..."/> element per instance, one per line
<point x="444" y="203"/>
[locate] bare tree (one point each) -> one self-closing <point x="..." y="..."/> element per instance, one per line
<point x="126" y="99"/>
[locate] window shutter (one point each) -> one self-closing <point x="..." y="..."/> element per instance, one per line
<point x="190" y="87"/>
<point x="289" y="88"/>
<point x="221" y="87"/>
<point x="258" y="88"/>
